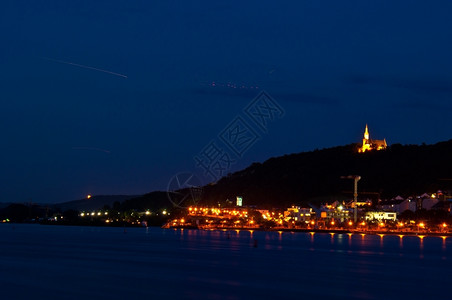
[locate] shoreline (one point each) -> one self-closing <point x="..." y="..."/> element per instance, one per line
<point x="334" y="231"/>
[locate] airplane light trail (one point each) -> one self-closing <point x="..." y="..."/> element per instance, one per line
<point x="83" y="66"/>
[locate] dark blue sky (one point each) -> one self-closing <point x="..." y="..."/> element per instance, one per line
<point x="192" y="67"/>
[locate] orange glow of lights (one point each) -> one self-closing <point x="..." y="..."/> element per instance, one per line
<point x="88" y="196"/>
<point x="332" y="222"/>
<point x="444" y="225"/>
<point x="421" y="225"/>
<point x="350" y="223"/>
<point x="312" y="222"/>
<point x="381" y="224"/>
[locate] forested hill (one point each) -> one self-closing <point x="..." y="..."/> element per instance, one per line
<point x="315" y="176"/>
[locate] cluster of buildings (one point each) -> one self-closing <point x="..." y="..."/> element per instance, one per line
<point x="333" y="215"/>
<point x="435" y="201"/>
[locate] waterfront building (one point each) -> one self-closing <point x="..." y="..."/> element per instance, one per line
<point x="297" y="213"/>
<point x="381" y="215"/>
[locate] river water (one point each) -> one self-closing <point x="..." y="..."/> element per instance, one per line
<point x="116" y="263"/>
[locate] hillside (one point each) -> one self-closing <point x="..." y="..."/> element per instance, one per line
<point x="95" y="202"/>
<point x="315" y="176"/>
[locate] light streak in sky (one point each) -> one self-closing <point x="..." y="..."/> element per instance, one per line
<point x="91" y="148"/>
<point x="83" y="66"/>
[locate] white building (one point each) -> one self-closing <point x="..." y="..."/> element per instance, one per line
<point x="381" y="215"/>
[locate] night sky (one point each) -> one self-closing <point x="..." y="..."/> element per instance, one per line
<point x="116" y="97"/>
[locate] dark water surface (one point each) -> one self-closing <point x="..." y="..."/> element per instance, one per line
<point x="107" y="263"/>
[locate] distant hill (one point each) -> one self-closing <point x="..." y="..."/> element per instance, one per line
<point x="312" y="177"/>
<point x="153" y="201"/>
<point x="315" y="176"/>
<point x="95" y="202"/>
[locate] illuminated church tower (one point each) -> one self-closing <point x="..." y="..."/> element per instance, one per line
<point x="369" y="144"/>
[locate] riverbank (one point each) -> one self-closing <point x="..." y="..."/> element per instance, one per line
<point x="338" y="230"/>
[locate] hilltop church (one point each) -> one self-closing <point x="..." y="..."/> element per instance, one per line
<point x="369" y="144"/>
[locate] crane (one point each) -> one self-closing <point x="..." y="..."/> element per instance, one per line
<point x="355" y="178"/>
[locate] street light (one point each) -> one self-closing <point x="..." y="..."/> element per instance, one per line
<point x="420" y="225"/>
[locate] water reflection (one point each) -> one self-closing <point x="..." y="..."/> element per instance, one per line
<point x="208" y="264"/>
<point x="400" y="245"/>
<point x="381" y="240"/>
